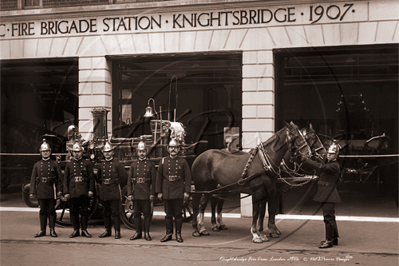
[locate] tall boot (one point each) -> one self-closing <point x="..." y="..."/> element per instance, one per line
<point x="85" y="221"/>
<point x="75" y="223"/>
<point x="43" y="225"/>
<point x="107" y="224"/>
<point x="137" y="225"/>
<point x="147" y="221"/>
<point x="52" y="226"/>
<point x="178" y="225"/>
<point x="169" y="229"/>
<point x="117" y="226"/>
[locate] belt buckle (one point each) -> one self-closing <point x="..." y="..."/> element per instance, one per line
<point x="106" y="181"/>
<point x="172" y="178"/>
<point x="44" y="179"/>
<point x="78" y="179"/>
<point x="140" y="180"/>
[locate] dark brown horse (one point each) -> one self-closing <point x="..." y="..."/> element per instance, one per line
<point x="290" y="171"/>
<point x="254" y="173"/>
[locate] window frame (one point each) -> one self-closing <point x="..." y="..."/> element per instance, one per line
<point x="21" y="5"/>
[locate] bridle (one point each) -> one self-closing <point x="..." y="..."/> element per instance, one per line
<point x="299" y="147"/>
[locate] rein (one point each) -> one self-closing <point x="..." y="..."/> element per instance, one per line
<point x="267" y="163"/>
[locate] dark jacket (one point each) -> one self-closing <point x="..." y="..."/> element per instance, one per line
<point x="110" y="175"/>
<point x="327" y="183"/>
<point x="141" y="179"/>
<point x="78" y="178"/>
<point x="46" y="176"/>
<point x="173" y="178"/>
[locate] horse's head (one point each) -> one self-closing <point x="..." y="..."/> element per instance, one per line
<point x="297" y="140"/>
<point x="318" y="151"/>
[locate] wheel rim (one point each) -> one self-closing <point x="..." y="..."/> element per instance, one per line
<point x="127" y="210"/>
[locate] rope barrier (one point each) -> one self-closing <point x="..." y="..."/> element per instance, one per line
<point x="369" y="156"/>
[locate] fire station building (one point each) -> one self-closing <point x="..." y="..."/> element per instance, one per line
<point x="234" y="71"/>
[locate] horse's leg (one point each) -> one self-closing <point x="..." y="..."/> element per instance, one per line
<point x="262" y="212"/>
<point x="255" y="214"/>
<point x="214" y="202"/>
<point x="203" y="203"/>
<point x="196" y="203"/>
<point x="220" y="202"/>
<point x="273" y="201"/>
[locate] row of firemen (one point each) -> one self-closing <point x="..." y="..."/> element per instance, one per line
<point x="170" y="183"/>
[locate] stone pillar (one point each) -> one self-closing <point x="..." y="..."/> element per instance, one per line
<point x="95" y="91"/>
<point x="258" y="105"/>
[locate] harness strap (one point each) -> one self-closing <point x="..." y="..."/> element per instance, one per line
<point x="250" y="159"/>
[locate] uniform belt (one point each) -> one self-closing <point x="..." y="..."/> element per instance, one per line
<point x="141" y="180"/>
<point x="174" y="178"/>
<point x="79" y="179"/>
<point x="45" y="180"/>
<point x="327" y="184"/>
<point x="107" y="181"/>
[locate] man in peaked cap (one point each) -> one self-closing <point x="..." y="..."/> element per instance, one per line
<point x="111" y="172"/>
<point x="45" y="175"/>
<point x="141" y="189"/>
<point x="173" y="186"/>
<point x="78" y="186"/>
<point x="327" y="193"/>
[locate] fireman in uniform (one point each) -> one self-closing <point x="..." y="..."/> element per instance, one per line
<point x="327" y="193"/>
<point x="78" y="186"/>
<point x="141" y="189"/>
<point x="111" y="173"/>
<point x="173" y="185"/>
<point x="46" y="175"/>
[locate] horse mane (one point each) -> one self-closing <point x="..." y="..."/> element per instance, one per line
<point x="273" y="138"/>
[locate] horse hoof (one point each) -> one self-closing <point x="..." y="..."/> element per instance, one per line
<point x="205" y="233"/>
<point x="223" y="227"/>
<point x="196" y="234"/>
<point x="257" y="240"/>
<point x="264" y="238"/>
<point x="274" y="235"/>
<point x="215" y="228"/>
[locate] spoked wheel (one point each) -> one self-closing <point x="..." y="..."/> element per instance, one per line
<point x="62" y="208"/>
<point x="127" y="210"/>
<point x="25" y="195"/>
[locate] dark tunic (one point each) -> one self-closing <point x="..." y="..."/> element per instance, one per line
<point x="110" y="175"/>
<point x="45" y="174"/>
<point x="78" y="178"/>
<point x="327" y="183"/>
<point x="141" y="179"/>
<point x="173" y="178"/>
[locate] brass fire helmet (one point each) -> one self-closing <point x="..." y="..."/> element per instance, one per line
<point x="107" y="147"/>
<point x="174" y="143"/>
<point x="45" y="146"/>
<point x="77" y="147"/>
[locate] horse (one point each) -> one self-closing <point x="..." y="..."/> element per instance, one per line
<point x="289" y="168"/>
<point x="292" y="169"/>
<point x="254" y="173"/>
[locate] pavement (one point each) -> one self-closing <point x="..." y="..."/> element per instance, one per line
<point x="301" y="226"/>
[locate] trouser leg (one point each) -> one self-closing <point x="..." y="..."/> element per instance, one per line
<point x="329" y="220"/>
<point x="115" y="213"/>
<point x="43" y="203"/>
<point x="74" y="208"/>
<point x="147" y="214"/>
<point x="137" y="206"/>
<point x="168" y="204"/>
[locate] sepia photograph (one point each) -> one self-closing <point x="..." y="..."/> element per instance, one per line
<point x="199" y="132"/>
